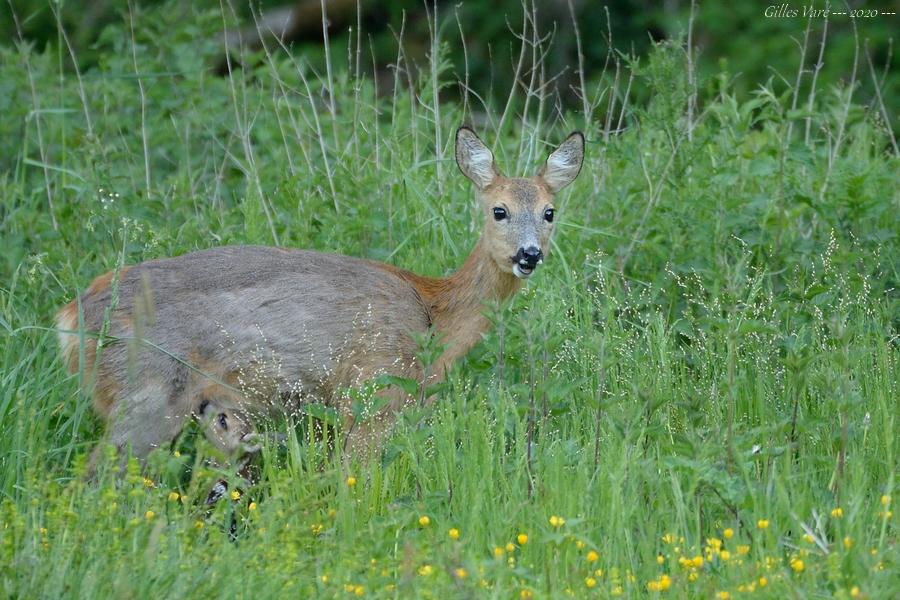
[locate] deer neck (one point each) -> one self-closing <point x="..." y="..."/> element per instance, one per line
<point x="457" y="302"/>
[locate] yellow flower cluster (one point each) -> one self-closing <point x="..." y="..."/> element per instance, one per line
<point x="661" y="584"/>
<point x="355" y="589"/>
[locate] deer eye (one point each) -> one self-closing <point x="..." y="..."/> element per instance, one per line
<point x="499" y="213"/>
<point x="548" y="215"/>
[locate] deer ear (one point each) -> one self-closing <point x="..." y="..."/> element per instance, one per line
<point x="474" y="158"/>
<point x="564" y="163"/>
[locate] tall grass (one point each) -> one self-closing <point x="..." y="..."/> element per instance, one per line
<point x="700" y="386"/>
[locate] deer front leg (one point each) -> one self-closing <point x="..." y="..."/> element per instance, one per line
<point x="366" y="436"/>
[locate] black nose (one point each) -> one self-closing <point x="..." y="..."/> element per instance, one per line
<point x="531" y="256"/>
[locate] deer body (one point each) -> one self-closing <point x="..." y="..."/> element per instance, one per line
<point x="230" y="333"/>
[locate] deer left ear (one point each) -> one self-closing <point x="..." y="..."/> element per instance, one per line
<point x="564" y="163"/>
<point x="474" y="158"/>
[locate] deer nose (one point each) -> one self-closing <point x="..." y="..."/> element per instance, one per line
<point x="530" y="256"/>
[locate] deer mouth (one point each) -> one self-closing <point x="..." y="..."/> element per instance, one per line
<point x="522" y="269"/>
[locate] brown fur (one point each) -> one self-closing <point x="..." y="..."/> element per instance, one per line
<point x="103" y="282"/>
<point x="230" y="334"/>
<point x="67" y="320"/>
<point x="456" y="303"/>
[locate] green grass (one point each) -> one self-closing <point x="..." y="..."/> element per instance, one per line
<point x="712" y="341"/>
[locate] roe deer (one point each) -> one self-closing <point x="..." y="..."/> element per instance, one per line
<point x="230" y="333"/>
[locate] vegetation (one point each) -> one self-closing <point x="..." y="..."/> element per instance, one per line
<point x="695" y="396"/>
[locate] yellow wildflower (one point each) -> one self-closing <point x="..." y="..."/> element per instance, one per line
<point x="149" y="515"/>
<point x="173" y="496"/>
<point x="579" y="544"/>
<point x="557" y="521"/>
<point x="426" y="570"/>
<point x="763" y="582"/>
<point x="453" y="533"/>
<point x="359" y="590"/>
<point x="592" y="556"/>
<point x="848" y="542"/>
<point x="522" y="538"/>
<point x="723" y="595"/>
<point x="693" y="575"/>
<point x="660" y="559"/>
<point x="837" y="512"/>
<point x="526" y="595"/>
<point x="499" y="551"/>
<point x="252" y="506"/>
<point x="351" y="481"/>
<point x="808" y="538"/>
<point x="763" y="523"/>
<point x="235" y="495"/>
<point x="590" y="582"/>
<point x="617" y="591"/>
<point x="424" y="521"/>
<point x="728" y="533"/>
<point x="743" y="549"/>
<point x="148" y="482"/>
<point x="510" y="547"/>
<point x="797" y="565"/>
<point x="697" y="561"/>
<point x="461" y="573"/>
<point x="885" y="500"/>
<point x="198" y="524"/>
<point x="725" y="555"/>
<point x="665" y="582"/>
<point x="854" y="591"/>
<point x="652" y="586"/>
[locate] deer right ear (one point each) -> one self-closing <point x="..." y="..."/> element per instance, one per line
<point x="474" y="158"/>
<point x="564" y="163"/>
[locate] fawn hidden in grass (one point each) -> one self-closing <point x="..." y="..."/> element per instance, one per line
<point x="229" y="334"/>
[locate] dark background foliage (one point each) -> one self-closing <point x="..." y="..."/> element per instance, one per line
<point x="734" y="38"/>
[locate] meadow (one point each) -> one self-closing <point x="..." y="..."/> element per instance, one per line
<point x="696" y="395"/>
